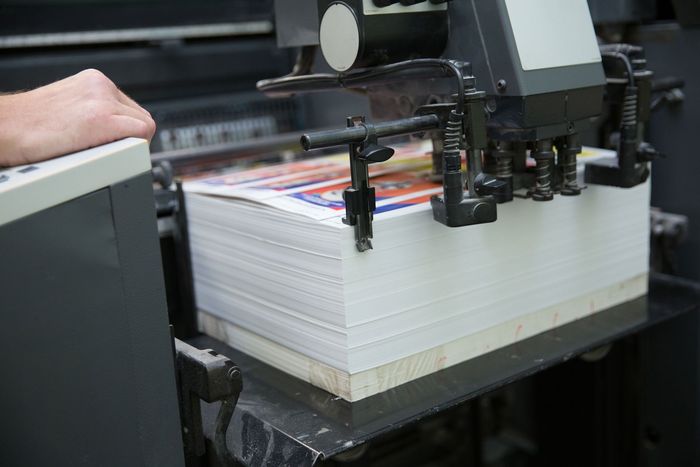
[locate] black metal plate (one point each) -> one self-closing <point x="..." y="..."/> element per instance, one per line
<point x="281" y="420"/>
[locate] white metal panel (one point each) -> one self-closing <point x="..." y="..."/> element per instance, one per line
<point x="32" y="188"/>
<point x="553" y="33"/>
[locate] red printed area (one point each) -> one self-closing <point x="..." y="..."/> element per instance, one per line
<point x="264" y="173"/>
<point x="389" y="186"/>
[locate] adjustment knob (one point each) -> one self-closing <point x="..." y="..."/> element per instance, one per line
<point x="376" y="153"/>
<point x="485" y="185"/>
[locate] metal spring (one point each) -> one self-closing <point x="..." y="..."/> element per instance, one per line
<point x="504" y="169"/>
<point x="568" y="167"/>
<point x="543" y="173"/>
<point x="452" y="140"/>
<point x="453" y="131"/>
<point x="629" y="108"/>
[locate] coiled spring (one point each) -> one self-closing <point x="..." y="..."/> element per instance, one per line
<point x="452" y="140"/>
<point x="629" y="108"/>
<point x="504" y="167"/>
<point x="568" y="170"/>
<point x="543" y="173"/>
<point x="452" y="180"/>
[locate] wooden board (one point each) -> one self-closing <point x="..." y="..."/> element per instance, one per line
<point x="353" y="387"/>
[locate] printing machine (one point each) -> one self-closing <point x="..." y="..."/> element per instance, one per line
<point x="527" y="77"/>
<point x="90" y="301"/>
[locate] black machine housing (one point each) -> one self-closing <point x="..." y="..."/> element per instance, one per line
<point x="529" y="79"/>
<point x="390" y="33"/>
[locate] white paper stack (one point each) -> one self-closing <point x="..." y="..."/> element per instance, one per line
<point x="278" y="276"/>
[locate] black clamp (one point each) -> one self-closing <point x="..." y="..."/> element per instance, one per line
<point x="205" y="375"/>
<point x="360" y="198"/>
<point x="478" y="206"/>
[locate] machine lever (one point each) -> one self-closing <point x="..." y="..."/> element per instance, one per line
<point x="360" y="199"/>
<point x="362" y="138"/>
<point x="211" y="377"/>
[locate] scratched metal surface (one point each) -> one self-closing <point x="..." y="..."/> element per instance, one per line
<point x="283" y="421"/>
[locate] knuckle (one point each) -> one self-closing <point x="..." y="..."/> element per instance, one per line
<point x="92" y="74"/>
<point x="96" y="82"/>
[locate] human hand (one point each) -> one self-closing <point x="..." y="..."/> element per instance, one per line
<point x="79" y="112"/>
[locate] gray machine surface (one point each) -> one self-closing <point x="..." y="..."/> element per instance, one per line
<point x="87" y="368"/>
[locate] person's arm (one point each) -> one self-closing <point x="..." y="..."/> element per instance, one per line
<point x="76" y="113"/>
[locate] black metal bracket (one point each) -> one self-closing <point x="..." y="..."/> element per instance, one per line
<point x="205" y="375"/>
<point x="478" y="206"/>
<point x="631" y="82"/>
<point x="360" y="198"/>
<point x="362" y="138"/>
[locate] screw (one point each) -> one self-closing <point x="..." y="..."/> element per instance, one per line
<point x="501" y="85"/>
<point x="234" y="373"/>
<point x="491" y="105"/>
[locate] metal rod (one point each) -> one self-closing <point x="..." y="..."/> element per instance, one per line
<point x="324" y="139"/>
<point x="473" y="170"/>
<point x="60" y="39"/>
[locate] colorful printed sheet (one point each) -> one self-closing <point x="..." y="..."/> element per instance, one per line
<point x="314" y="188"/>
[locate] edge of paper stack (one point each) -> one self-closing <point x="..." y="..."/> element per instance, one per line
<point x="277" y="274"/>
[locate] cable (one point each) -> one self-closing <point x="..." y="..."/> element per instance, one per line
<point x="320" y="82"/>
<point x="625" y="61"/>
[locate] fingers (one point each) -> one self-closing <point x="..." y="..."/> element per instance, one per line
<point x="130" y="108"/>
<point x="126" y="100"/>
<point x="124" y="126"/>
<point x="138" y="113"/>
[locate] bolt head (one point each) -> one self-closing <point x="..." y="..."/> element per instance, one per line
<point x="484" y="212"/>
<point x="570" y="191"/>
<point x="542" y="196"/>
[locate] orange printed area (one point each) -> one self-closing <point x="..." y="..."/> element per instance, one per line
<point x="247" y="176"/>
<point x="397" y="185"/>
<point x="518" y="330"/>
<point x="386" y="186"/>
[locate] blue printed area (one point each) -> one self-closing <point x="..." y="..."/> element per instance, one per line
<point x="220" y="182"/>
<point x="291" y="186"/>
<point x="391" y="207"/>
<point x="319" y="201"/>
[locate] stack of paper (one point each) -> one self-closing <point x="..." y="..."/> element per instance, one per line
<point x="277" y="273"/>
